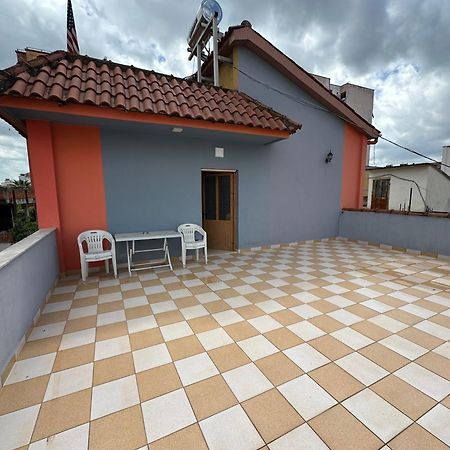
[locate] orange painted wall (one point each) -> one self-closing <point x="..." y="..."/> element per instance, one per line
<point x="353" y="167"/>
<point x="80" y="185"/>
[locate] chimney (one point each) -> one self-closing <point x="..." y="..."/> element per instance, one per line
<point x="446" y="159"/>
<point x="29" y="53"/>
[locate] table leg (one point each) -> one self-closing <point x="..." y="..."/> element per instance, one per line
<point x="128" y="259"/>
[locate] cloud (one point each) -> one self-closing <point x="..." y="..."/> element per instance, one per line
<point x="399" y="47"/>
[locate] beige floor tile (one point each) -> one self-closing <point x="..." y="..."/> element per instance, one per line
<point x="228" y="357"/>
<point x="241" y="330"/>
<point x="330" y="347"/>
<point x="432" y="306"/>
<point x="441" y="320"/>
<point x="110" y="307"/>
<point x="336" y="381"/>
<point x="210" y="396"/>
<point x="113" y="368"/>
<point x="62" y="413"/>
<point x="326" y="323"/>
<point x="249" y="311"/>
<point x="278" y="368"/>
<point x="436" y="363"/>
<point x="133" y="293"/>
<point x="72" y="357"/>
<point x="272" y="415"/>
<point x="256" y="297"/>
<point x="283" y="338"/>
<point x="324" y="306"/>
<point x="139" y="311"/>
<point x="217" y="306"/>
<point x="371" y="330"/>
<point x="188" y="438"/>
<point x="288" y="301"/>
<point x="123" y="430"/>
<point x="111" y="331"/>
<point x="157" y="381"/>
<point x="446" y="402"/>
<point x="80" y="324"/>
<point x="88" y="301"/>
<point x="201" y="324"/>
<point x="54" y="317"/>
<point x="186" y="302"/>
<point x="184" y="347"/>
<point x="342" y="431"/>
<point x="361" y="311"/>
<point x="23" y="394"/>
<point x="384" y="357"/>
<point x="403" y="396"/>
<point x="146" y="338"/>
<point x="285" y="317"/>
<point x="403" y="316"/>
<point x="227" y="293"/>
<point x="421" y="338"/>
<point x="40" y="347"/>
<point x="169" y="317"/>
<point x="416" y="438"/>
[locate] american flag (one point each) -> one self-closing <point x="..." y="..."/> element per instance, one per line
<point x="72" y="41"/>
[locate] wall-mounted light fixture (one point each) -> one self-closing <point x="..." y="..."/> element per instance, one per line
<point x="329" y="157"/>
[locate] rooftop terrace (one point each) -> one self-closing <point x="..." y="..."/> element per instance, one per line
<point x="330" y="344"/>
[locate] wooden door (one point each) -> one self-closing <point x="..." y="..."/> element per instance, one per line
<point x="219" y="209"/>
<point x="380" y="194"/>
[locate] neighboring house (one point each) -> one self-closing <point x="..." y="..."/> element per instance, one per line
<point x="415" y="187"/>
<point x="125" y="149"/>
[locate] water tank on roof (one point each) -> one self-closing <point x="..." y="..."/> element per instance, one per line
<point x="208" y="9"/>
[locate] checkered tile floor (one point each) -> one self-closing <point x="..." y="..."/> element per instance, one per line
<point x="322" y="345"/>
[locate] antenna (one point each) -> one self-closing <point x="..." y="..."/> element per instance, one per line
<point x="204" y="28"/>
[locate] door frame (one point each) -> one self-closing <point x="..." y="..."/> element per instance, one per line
<point x="234" y="181"/>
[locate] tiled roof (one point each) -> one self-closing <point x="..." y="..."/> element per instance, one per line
<point x="67" y="78"/>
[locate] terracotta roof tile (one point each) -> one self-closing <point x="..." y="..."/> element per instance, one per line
<point x="66" y="78"/>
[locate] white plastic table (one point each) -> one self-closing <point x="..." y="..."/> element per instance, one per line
<point x="131" y="238"/>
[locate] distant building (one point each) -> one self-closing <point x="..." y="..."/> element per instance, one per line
<point x="414" y="187"/>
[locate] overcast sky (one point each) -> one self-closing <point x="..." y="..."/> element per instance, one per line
<point x="399" y="48"/>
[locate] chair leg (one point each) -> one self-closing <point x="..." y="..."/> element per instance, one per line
<point x="196" y="254"/>
<point x="206" y="255"/>
<point x="183" y="254"/>
<point x="84" y="270"/>
<point x="107" y="265"/>
<point x="114" y="264"/>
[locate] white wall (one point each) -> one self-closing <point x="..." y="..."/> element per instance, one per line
<point x="435" y="187"/>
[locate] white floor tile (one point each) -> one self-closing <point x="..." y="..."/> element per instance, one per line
<point x="31" y="368"/>
<point x="245" y="289"/>
<point x="73" y="439"/>
<point x="166" y="414"/>
<point x="437" y="422"/>
<point x="426" y="381"/>
<point x="149" y="357"/>
<point x="305" y="311"/>
<point x="77" y="338"/>
<point x="300" y="438"/>
<point x="386" y="322"/>
<point x="231" y="429"/>
<point x="352" y="338"/>
<point x="130" y="286"/>
<point x="67" y="289"/>
<point x="236" y="302"/>
<point x="151" y="290"/>
<point x="369" y="292"/>
<point x="403" y="296"/>
<point x="417" y="311"/>
<point x="361" y="368"/>
<point x="257" y="347"/>
<point x="377" y="414"/>
<point x="434" y="329"/>
<point x="112" y="347"/>
<point x="305" y="297"/>
<point x="306" y="357"/>
<point x="345" y="317"/>
<point x="135" y="302"/>
<point x="162" y="307"/>
<point x="247" y="381"/>
<point x="111" y="317"/>
<point x="306" y="330"/>
<point x="192" y="312"/>
<point x="274" y="293"/>
<point x="306" y="396"/>
<point x="17" y="427"/>
<point x="69" y="381"/>
<point x="84" y="311"/>
<point x="270" y="306"/>
<point x="218" y="286"/>
<point x="176" y="331"/>
<point x="228" y="317"/>
<point x="215" y="338"/>
<point x="207" y="297"/>
<point x="111" y="297"/>
<point x="264" y="323"/>
<point x="56" y="306"/>
<point x="114" y="396"/>
<point x="195" y="368"/>
<point x="403" y="346"/>
<point x="443" y="350"/>
<point x="86" y="293"/>
<point x="340" y="301"/>
<point x="141" y="324"/>
<point x="45" y="331"/>
<point x="377" y="305"/>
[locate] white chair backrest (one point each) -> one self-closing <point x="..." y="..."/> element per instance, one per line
<point x="188" y="231"/>
<point x="94" y="240"/>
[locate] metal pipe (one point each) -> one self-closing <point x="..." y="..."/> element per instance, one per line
<point x="199" y="63"/>
<point x="215" y="50"/>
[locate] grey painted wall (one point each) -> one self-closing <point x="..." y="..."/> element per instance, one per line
<point x="424" y="233"/>
<point x="286" y="192"/>
<point x="25" y="279"/>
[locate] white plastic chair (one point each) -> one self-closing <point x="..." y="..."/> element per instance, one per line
<point x="95" y="250"/>
<point x="189" y="241"/>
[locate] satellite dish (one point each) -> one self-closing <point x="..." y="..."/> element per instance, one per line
<point x="211" y="8"/>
